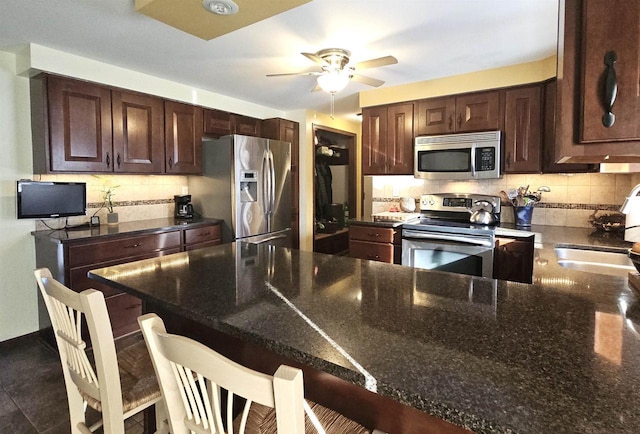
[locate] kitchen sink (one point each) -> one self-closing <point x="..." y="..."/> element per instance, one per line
<point x="609" y="262"/>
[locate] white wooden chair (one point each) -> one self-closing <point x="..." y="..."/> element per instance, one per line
<point x="118" y="385"/>
<point x="192" y="375"/>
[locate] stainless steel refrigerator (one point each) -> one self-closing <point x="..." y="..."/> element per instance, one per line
<point x="246" y="182"/>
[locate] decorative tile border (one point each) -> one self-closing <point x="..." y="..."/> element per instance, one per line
<point x="547" y="205"/>
<point x="131" y="203"/>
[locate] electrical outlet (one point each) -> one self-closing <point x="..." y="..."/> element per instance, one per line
<point x="395" y="191"/>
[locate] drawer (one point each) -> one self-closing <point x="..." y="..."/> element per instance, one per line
<point x="119" y="248"/>
<point x="124" y="310"/>
<point x="79" y="281"/>
<point x="372" y="233"/>
<point x="202" y="234"/>
<point x="381" y="252"/>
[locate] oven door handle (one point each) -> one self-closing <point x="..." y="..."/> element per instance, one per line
<point x="406" y="234"/>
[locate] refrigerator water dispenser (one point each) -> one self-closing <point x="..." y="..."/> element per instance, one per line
<point x="248" y="185"/>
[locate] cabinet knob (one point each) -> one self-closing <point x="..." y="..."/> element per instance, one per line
<point x="108" y="160"/>
<point x="118" y="161"/>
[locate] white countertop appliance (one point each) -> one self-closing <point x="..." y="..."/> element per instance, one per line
<point x="631" y="207"/>
<point x="444" y="239"/>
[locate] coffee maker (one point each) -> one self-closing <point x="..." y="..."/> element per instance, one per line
<point x="183" y="207"/>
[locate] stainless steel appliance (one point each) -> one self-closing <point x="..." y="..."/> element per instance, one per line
<point x="458" y="156"/>
<point x="246" y="182"/>
<point x="445" y="240"/>
<point x="183" y="208"/>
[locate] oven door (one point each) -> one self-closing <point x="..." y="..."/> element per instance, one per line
<point x="455" y="253"/>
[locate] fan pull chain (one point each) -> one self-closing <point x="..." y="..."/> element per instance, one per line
<point x="332" y="104"/>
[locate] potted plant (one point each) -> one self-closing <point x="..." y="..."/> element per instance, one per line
<point x="108" y="191"/>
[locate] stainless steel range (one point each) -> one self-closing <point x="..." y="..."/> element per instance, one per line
<point x="444" y="239"/>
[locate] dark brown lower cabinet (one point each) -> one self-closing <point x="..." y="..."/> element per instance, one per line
<point x="513" y="259"/>
<point x="70" y="262"/>
<point x="375" y="243"/>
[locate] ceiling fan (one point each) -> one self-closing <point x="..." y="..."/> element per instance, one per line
<point x="336" y="71"/>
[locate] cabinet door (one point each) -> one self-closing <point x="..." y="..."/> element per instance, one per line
<point x="138" y="133"/>
<point x="183" y="138"/>
<point x="399" y="149"/>
<point x="217" y="123"/>
<point x="80" y="126"/>
<point x="513" y="259"/>
<point x="435" y="116"/>
<point x="610" y="27"/>
<point x="246" y="126"/>
<point x="374" y="133"/>
<point x="478" y="112"/>
<point x="522" y="130"/>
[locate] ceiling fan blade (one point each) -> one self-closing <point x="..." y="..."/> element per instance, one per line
<point x="367" y="80"/>
<point x="374" y="63"/>
<point x="314" y="57"/>
<point x="294" y="73"/>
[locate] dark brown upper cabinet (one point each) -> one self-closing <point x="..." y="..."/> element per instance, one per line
<point x="246" y="125"/>
<point x="611" y="34"/>
<point x="85" y="127"/>
<point x="71" y="126"/>
<point x="523" y="129"/>
<point x="217" y="123"/>
<point x="476" y="111"/>
<point x="590" y="29"/>
<point x="138" y="132"/>
<point x="387" y="140"/>
<point x="183" y="138"/>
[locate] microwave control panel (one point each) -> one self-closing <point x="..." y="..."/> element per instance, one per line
<point x="485" y="158"/>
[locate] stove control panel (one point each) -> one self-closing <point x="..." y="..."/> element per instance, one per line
<point x="457" y="202"/>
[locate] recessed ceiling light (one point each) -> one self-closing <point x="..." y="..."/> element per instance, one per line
<point x="220" y="7"/>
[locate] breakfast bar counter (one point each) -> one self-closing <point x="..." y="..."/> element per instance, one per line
<point x="560" y="355"/>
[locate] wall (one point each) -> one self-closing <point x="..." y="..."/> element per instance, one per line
<point x="18" y="291"/>
<point x="573" y="197"/>
<point x="530" y="72"/>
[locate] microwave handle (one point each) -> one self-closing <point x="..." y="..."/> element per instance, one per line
<point x="421" y="235"/>
<point x="473" y="160"/>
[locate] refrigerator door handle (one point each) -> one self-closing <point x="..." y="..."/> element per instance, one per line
<point x="272" y="202"/>
<point x="266" y="181"/>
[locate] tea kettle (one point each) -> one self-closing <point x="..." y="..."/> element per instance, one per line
<point x="481" y="216"/>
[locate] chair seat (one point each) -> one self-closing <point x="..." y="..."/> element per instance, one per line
<point x="137" y="377"/>
<point x="262" y="420"/>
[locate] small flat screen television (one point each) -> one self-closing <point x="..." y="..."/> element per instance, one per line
<point x="42" y="199"/>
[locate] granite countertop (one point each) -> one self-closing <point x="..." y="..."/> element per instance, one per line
<point x="123" y="228"/>
<point x="561" y="355"/>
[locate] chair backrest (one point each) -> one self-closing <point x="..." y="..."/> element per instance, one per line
<point x="67" y="309"/>
<point x="192" y="375"/>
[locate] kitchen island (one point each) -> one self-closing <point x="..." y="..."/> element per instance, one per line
<point x="556" y="356"/>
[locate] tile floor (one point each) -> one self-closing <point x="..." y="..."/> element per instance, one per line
<point x="33" y="399"/>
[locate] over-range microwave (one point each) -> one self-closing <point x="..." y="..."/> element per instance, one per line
<point x="458" y="156"/>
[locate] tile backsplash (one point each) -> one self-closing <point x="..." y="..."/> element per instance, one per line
<point x="572" y="199"/>
<point x="137" y="197"/>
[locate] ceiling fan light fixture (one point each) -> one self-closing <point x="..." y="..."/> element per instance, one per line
<point x="333" y="82"/>
<point x="221" y="7"/>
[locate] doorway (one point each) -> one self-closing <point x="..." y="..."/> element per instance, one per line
<point x="334" y="188"/>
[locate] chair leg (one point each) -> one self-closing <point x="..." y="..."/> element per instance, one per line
<point x="162" y="424"/>
<point x="76" y="409"/>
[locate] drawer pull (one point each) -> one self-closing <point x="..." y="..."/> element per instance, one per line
<point x="133" y="246"/>
<point x="133" y="306"/>
<point x="206" y="234"/>
<point x="373" y="234"/>
<point x="373" y="257"/>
